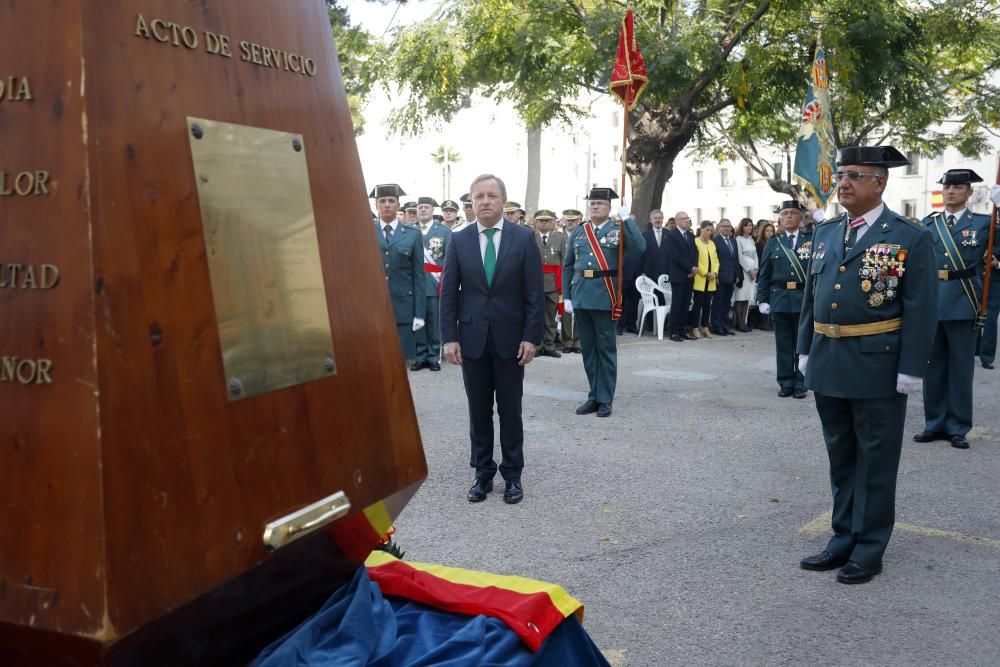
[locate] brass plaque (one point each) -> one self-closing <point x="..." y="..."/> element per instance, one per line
<point x="263" y="256"/>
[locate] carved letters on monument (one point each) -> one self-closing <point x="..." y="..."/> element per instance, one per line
<point x="15" y="89"/>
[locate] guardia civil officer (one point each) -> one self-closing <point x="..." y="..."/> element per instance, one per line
<point x="403" y="263"/>
<point x="988" y="342"/>
<point x="590" y="272"/>
<point x="551" y="244"/>
<point x="570" y="334"/>
<point x="780" y="283"/>
<point x="960" y="240"/>
<point x="436" y="237"/>
<point x="868" y="318"/>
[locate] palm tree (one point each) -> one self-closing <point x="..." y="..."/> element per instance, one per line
<point x="445" y="156"/>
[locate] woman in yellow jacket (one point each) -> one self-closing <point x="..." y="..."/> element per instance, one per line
<point x="705" y="279"/>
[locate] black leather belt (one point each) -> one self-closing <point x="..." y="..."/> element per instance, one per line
<point x="791" y="285"/>
<point x="596" y="273"/>
<point x="956" y="275"/>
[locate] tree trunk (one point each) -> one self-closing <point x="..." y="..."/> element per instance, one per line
<point x="655" y="141"/>
<point x="534" y="170"/>
<point x="648" y="182"/>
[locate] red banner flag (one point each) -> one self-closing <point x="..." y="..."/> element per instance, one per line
<point x="629" y="77"/>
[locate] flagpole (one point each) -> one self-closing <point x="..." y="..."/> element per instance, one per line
<point x="617" y="309"/>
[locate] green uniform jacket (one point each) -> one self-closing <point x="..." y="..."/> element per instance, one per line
<point x="553" y="253"/>
<point x="590" y="292"/>
<point x="403" y="263"/>
<point x="777" y="271"/>
<point x="862" y="367"/>
<point x="971" y="233"/>
<point x="435" y="246"/>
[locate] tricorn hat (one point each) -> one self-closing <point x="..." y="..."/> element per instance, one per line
<point x="512" y="206"/>
<point x="386" y="190"/>
<point x="572" y="214"/>
<point x="874" y="156"/>
<point x="544" y="214"/>
<point x="960" y="177"/>
<point x="410" y="206"/>
<point x="449" y="205"/>
<point x="792" y="204"/>
<point x="606" y="194"/>
<point x="427" y="200"/>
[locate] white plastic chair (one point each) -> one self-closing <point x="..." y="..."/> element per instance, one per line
<point x="649" y="304"/>
<point x="663" y="284"/>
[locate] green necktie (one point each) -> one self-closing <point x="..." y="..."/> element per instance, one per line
<point x="490" y="258"/>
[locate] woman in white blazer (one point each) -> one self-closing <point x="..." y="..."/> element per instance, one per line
<point x="743" y="297"/>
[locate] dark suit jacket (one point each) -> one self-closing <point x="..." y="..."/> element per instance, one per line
<point x="683" y="256"/>
<point x="655" y="261"/>
<point x="511" y="309"/>
<point x="729" y="260"/>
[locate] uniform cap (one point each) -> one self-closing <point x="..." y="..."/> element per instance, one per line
<point x="604" y="194"/>
<point x="410" y="206"/>
<point x="544" y="214"/>
<point x="572" y="214"/>
<point x="427" y="200"/>
<point x="449" y="204"/>
<point x="466" y="199"/>
<point x="873" y="156"/>
<point x="960" y="177"/>
<point x="792" y="204"/>
<point x="386" y="190"/>
<point x="512" y="206"/>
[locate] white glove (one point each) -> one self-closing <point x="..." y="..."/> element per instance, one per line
<point x="995" y="195"/>
<point x="567" y="306"/>
<point x="764" y="308"/>
<point x="803" y="360"/>
<point x="907" y="384"/>
<point x="624" y="213"/>
<point x="818" y="215"/>
<point x="418" y="324"/>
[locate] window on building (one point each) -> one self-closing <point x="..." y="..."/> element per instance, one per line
<point x="614" y="184"/>
<point x="723" y="177"/>
<point x="615" y="155"/>
<point x="748" y="212"/>
<point x="594" y="160"/>
<point x="722" y="212"/>
<point x="909" y="208"/>
<point x="913" y="168"/>
<point x="699" y="179"/>
<point x="749" y="174"/>
<point x="776" y="168"/>
<point x="697" y="216"/>
<point x="616" y="120"/>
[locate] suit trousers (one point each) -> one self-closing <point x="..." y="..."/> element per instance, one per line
<point x="429" y="338"/>
<point x="701" y="309"/>
<point x="600" y="352"/>
<point x="551" y="310"/>
<point x="570" y="332"/>
<point x="486" y="379"/>
<point x="948" y="381"/>
<point x="407" y="340"/>
<point x="988" y="338"/>
<point x="864" y="439"/>
<point x="630" y="306"/>
<point x="679" y="305"/>
<point x="720" y="307"/>
<point x="786" y="330"/>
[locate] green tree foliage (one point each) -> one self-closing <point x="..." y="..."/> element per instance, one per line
<point x="355" y="48"/>
<point x="725" y="75"/>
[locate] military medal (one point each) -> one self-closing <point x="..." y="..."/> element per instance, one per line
<point x="866" y="285"/>
<point x="880" y="286"/>
<point x="875" y="300"/>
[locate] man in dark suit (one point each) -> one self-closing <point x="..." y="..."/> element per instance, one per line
<point x="655" y="260"/>
<point x="492" y="314"/>
<point x="682" y="265"/>
<point x="729" y="268"/>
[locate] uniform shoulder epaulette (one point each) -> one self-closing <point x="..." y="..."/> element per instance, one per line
<point x="836" y="218"/>
<point x="915" y="223"/>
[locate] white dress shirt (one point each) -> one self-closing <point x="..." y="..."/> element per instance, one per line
<point x="382" y="223"/>
<point x="483" y="239"/>
<point x="870" y="218"/>
<point x="658" y="233"/>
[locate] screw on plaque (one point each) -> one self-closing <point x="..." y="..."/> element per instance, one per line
<point x="197" y="131"/>
<point x="235" y="387"/>
<point x="329" y="365"/>
<point x="297" y="144"/>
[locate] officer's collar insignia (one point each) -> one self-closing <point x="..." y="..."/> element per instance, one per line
<point x="885" y="226"/>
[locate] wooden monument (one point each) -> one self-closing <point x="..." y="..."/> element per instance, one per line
<point x="203" y="403"/>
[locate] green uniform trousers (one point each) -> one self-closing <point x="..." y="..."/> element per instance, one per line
<point x="948" y="382"/>
<point x="570" y="332"/>
<point x="600" y="352"/>
<point x="428" y="339"/>
<point x="551" y="310"/>
<point x="786" y="331"/>
<point x="864" y="438"/>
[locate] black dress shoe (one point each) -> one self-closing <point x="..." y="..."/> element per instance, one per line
<point x="587" y="408"/>
<point x="856" y="573"/>
<point x="799" y="393"/>
<point x="551" y="353"/>
<point x="513" y="494"/>
<point x="930" y="436"/>
<point x="417" y="365"/>
<point x="822" y="562"/>
<point x="433" y="365"/>
<point x="785" y="393"/>
<point x="988" y="366"/>
<point x="688" y="336"/>
<point x="959" y="442"/>
<point x="677" y="338"/>
<point x="477" y="493"/>
<point x="604" y="410"/>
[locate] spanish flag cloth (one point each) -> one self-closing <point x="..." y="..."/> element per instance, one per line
<point x="403" y="613"/>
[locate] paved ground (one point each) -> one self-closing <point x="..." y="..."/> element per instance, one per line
<point x="679" y="521"/>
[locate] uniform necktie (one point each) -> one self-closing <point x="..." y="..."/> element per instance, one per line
<point x="545" y="240"/>
<point x="490" y="256"/>
<point x="657" y="238"/>
<point x="951" y="221"/>
<point x="855" y="226"/>
<point x="388" y="233"/>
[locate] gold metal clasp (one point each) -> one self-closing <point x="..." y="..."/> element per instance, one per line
<point x="588" y="273"/>
<point x="791" y="285"/>
<point x="298" y="524"/>
<point x="942" y="274"/>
